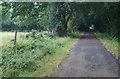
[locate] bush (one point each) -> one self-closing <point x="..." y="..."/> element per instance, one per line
<point x="75" y="34"/>
<point x="34" y="34"/>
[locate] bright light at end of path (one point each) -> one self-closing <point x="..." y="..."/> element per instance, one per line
<point x="91" y="27"/>
<point x="1" y="2"/>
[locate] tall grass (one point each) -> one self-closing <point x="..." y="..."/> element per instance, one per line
<point x="6" y="38"/>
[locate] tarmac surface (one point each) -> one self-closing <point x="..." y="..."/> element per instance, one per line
<point x="88" y="58"/>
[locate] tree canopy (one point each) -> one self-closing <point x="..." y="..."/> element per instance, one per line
<point x="61" y="17"/>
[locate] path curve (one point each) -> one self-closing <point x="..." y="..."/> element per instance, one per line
<point x="89" y="58"/>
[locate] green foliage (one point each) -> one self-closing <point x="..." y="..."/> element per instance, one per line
<point x="25" y="15"/>
<point x="60" y="18"/>
<point x="24" y="56"/>
<point x="75" y="34"/>
<point x="107" y="19"/>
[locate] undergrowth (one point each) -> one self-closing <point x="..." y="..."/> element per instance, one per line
<point x="29" y="58"/>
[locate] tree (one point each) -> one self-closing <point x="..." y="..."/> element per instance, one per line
<point x="62" y="17"/>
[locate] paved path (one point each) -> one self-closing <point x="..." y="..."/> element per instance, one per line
<point x="88" y="59"/>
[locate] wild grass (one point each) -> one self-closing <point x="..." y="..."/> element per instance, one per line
<point x="39" y="56"/>
<point x="49" y="63"/>
<point x="6" y="38"/>
<point x="110" y="42"/>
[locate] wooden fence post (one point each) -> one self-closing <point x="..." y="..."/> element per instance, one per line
<point x="15" y="39"/>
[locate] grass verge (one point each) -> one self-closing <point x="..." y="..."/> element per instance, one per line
<point x="35" y="57"/>
<point x="110" y="43"/>
<point x="49" y="63"/>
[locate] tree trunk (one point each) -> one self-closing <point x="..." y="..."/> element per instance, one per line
<point x="66" y="24"/>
